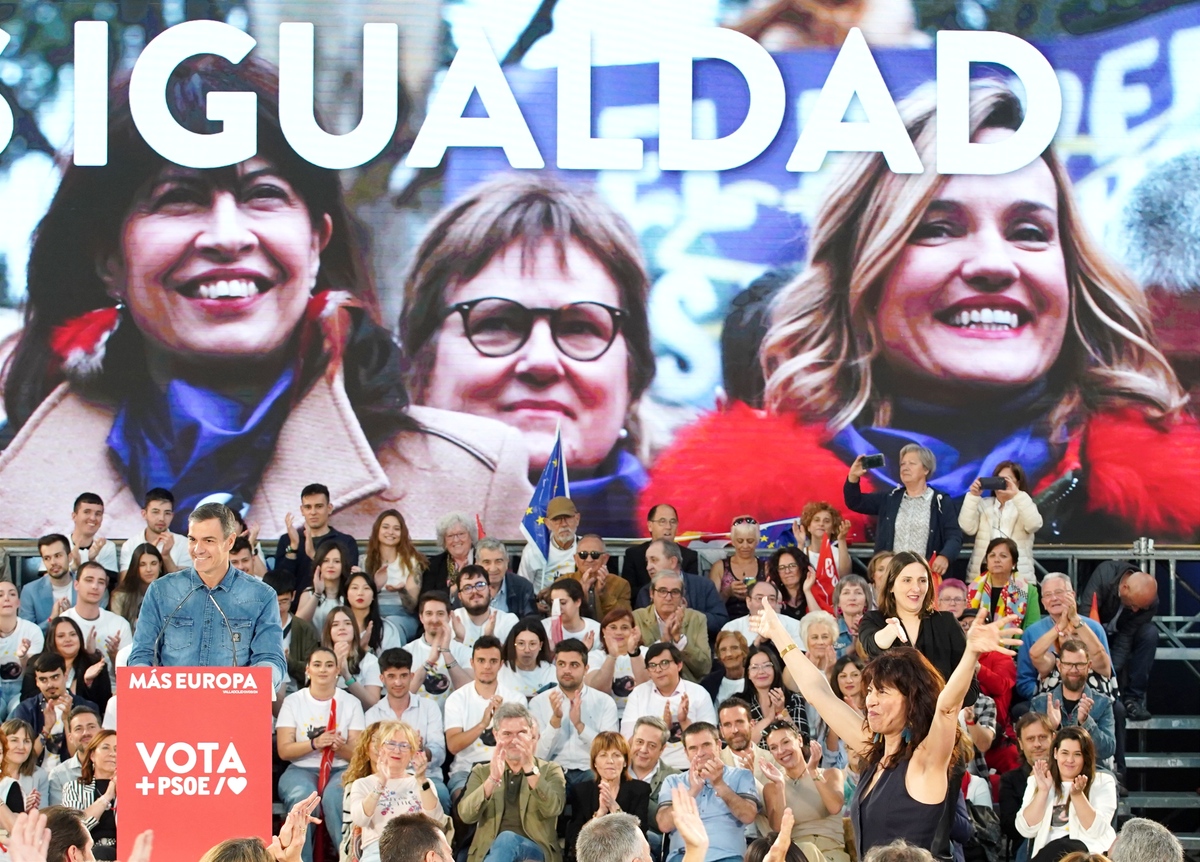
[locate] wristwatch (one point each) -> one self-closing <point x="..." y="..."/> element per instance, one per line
<point x="534" y="771"/>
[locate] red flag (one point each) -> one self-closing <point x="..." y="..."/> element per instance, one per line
<point x="936" y="585"/>
<point x="327" y="754"/>
<point x="479" y="526"/>
<point x="827" y="576"/>
<point x="1094" y="610"/>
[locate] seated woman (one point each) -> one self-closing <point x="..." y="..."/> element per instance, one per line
<point x="362" y="765"/>
<point x="787" y="568"/>
<point x="852" y="597"/>
<point x="1009" y="512"/>
<point x="87" y="672"/>
<point x="145" y="567"/>
<point x="906" y="616"/>
<point x="769" y="699"/>
<point x="391" y="790"/>
<point x="397" y="567"/>
<point x="575" y="619"/>
<point x="330" y="571"/>
<point x="456" y="536"/>
<point x="846" y="681"/>
<point x="94" y="793"/>
<point x="818" y="630"/>
<point x="814" y="795"/>
<point x="999" y="591"/>
<point x="909" y="741"/>
<point x="1067" y="802"/>
<point x="24" y="786"/>
<point x="877" y="568"/>
<point x="360" y="595"/>
<point x="610" y="792"/>
<point x="733" y="575"/>
<point x="528" y="666"/>
<point x="358" y="669"/>
<point x="728" y="675"/>
<point x="620" y="664"/>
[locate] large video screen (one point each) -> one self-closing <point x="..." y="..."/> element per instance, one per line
<point x="722" y="248"/>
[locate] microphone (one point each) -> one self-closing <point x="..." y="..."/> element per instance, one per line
<point x="157" y="654"/>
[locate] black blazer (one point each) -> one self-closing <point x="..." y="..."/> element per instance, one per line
<point x="97" y="693"/>
<point x="1012" y="794"/>
<point x="940" y="640"/>
<point x="634" y="567"/>
<point x="584" y="798"/>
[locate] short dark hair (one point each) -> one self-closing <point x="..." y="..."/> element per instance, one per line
<point x="241" y="543"/>
<point x="432" y="596"/>
<point x="1072" y="645"/>
<point x="471" y="571"/>
<point x="1007" y="542"/>
<point x="670" y="550"/>
<point x="700" y="727"/>
<point x="395" y="659"/>
<point x="281" y="583"/>
<point x="90" y="564"/>
<point x="488" y="642"/>
<point x="409" y="838"/>
<point x="661" y="647"/>
<point x="574" y="645"/>
<point x="161" y="495"/>
<point x="51" y="538"/>
<point x="66" y="831"/>
<point x="81" y="710"/>
<point x="87" y="497"/>
<point x="654" y="510"/>
<point x="48" y="662"/>
<point x="313" y="490"/>
<point x="734" y="702"/>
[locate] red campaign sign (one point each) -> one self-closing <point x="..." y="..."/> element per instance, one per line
<point x="194" y="755"/>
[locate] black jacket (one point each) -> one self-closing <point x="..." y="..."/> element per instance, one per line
<point x="940" y="640"/>
<point x="1105" y="585"/>
<point x="945" y="537"/>
<point x="634" y="568"/>
<point x="1012" y="793"/>
<point x="518" y="592"/>
<point x="584" y="798"/>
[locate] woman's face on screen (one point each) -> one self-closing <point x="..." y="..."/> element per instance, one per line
<point x="538" y="386"/>
<point x="211" y="267"/>
<point x="979" y="294"/>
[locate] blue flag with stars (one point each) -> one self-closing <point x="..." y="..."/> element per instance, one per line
<point x="553" y="483"/>
<point x="775" y="534"/>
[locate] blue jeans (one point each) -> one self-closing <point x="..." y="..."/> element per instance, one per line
<point x="297" y="782"/>
<point x="1132" y="658"/>
<point x="404" y="620"/>
<point x="10" y="696"/>
<point x="443" y="792"/>
<point x="511" y="847"/>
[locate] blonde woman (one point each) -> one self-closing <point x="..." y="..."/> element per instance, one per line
<point x="734" y="575"/>
<point x="972" y="315"/>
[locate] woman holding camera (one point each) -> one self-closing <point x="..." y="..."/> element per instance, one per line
<point x="1010" y="512"/>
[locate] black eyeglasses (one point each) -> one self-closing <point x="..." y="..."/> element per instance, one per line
<point x="500" y="327"/>
<point x="590" y="555"/>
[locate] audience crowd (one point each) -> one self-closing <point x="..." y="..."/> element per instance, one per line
<point x="561" y="708"/>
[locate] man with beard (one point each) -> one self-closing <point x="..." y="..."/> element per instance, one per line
<point x="1074" y="702"/>
<point x="571" y="714"/>
<point x="445" y="663"/>
<point x="477" y="617"/>
<point x="678" y="701"/>
<point x="1034" y="738"/>
<point x="562" y="518"/>
<point x="157" y="512"/>
<point x="469" y="711"/>
<point x="736" y="730"/>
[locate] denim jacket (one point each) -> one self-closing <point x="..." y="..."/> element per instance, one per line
<point x="194" y="634"/>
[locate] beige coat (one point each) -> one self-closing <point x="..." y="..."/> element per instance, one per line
<point x="456" y="462"/>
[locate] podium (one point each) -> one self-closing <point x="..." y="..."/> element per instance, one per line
<point x="193" y="757"/>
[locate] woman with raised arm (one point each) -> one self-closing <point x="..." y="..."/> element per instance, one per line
<point x="908" y="742"/>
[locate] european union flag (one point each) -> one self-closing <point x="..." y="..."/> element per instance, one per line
<point x="775" y="534"/>
<point x="553" y="483"/>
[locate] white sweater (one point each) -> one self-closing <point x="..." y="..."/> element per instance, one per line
<point x="1103" y="797"/>
<point x="985" y="519"/>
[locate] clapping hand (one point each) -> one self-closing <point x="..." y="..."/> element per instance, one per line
<point x="1084" y="709"/>
<point x="1053" y="711"/>
<point x="814" y="756"/>
<point x="364" y="638"/>
<point x="289" y="521"/>
<point x="111" y="645"/>
<point x="771" y="772"/>
<point x="684" y="705"/>
<point x="1080" y="785"/>
<point x="460" y="630"/>
<point x="29" y="839"/>
<point x="589" y="639"/>
<point x="776" y="702"/>
<point x="1041" y="774"/>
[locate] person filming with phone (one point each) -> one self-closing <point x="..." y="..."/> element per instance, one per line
<point x="1009" y="512"/>
<point x="911" y="517"/>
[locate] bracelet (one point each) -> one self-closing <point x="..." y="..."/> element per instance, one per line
<point x="450" y="665"/>
<point x="787" y="649"/>
<point x="635" y="654"/>
<point x="351" y="681"/>
<point x="313" y="742"/>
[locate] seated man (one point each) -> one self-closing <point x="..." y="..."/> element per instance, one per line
<point x="668" y="621"/>
<point x="664" y="555"/>
<point x="477" y="617"/>
<point x="604" y="591"/>
<point x="646" y="746"/>
<point x="102" y="630"/>
<point x="563" y="520"/>
<point x="1127" y="600"/>
<point x="297" y="547"/>
<point x="1034" y="738"/>
<point x="470" y="733"/>
<point x="677" y="701"/>
<point x="44" y="598"/>
<point x="514" y="798"/>
<point x="509" y="591"/>
<point x="47" y="711"/>
<point x="157" y="511"/>
<point x="445" y="664"/>
<point x="83" y="723"/>
<point x="86" y="541"/>
<point x="419" y="713"/>
<point x="571" y="714"/>
<point x="1142" y="840"/>
<point x="1072" y="702"/>
<point x="737" y="730"/>
<point x="725" y="796"/>
<point x="662" y="522"/>
<point x="1041" y="641"/>
<point x="762" y="591"/>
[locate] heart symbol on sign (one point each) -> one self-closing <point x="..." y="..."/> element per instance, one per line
<point x="237" y="784"/>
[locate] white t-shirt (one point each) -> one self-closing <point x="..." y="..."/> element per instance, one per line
<point x="589" y="625"/>
<point x="543" y="572"/>
<point x="728" y="688"/>
<point x="397" y="576"/>
<point x="437" y="683"/>
<point x="107" y="556"/>
<point x="106" y="625"/>
<point x="646" y="700"/>
<point x="110" y="714"/>
<point x="565" y="746"/>
<point x="623" y="682"/>
<point x="10" y="667"/>
<point x="368" y="672"/>
<point x="528" y="682"/>
<point x="504" y="623"/>
<point x="464" y="709"/>
<point x="179" y="550"/>
<point x="66" y="591"/>
<point x="310" y="718"/>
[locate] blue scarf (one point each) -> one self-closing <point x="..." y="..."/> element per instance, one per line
<point x="198" y="443"/>
<point x="607" y="502"/>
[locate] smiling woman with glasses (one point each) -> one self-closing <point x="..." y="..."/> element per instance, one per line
<point x="392" y="789"/>
<point x="526" y="302"/>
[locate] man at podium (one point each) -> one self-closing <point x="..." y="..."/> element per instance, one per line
<point x="210" y="615"/>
